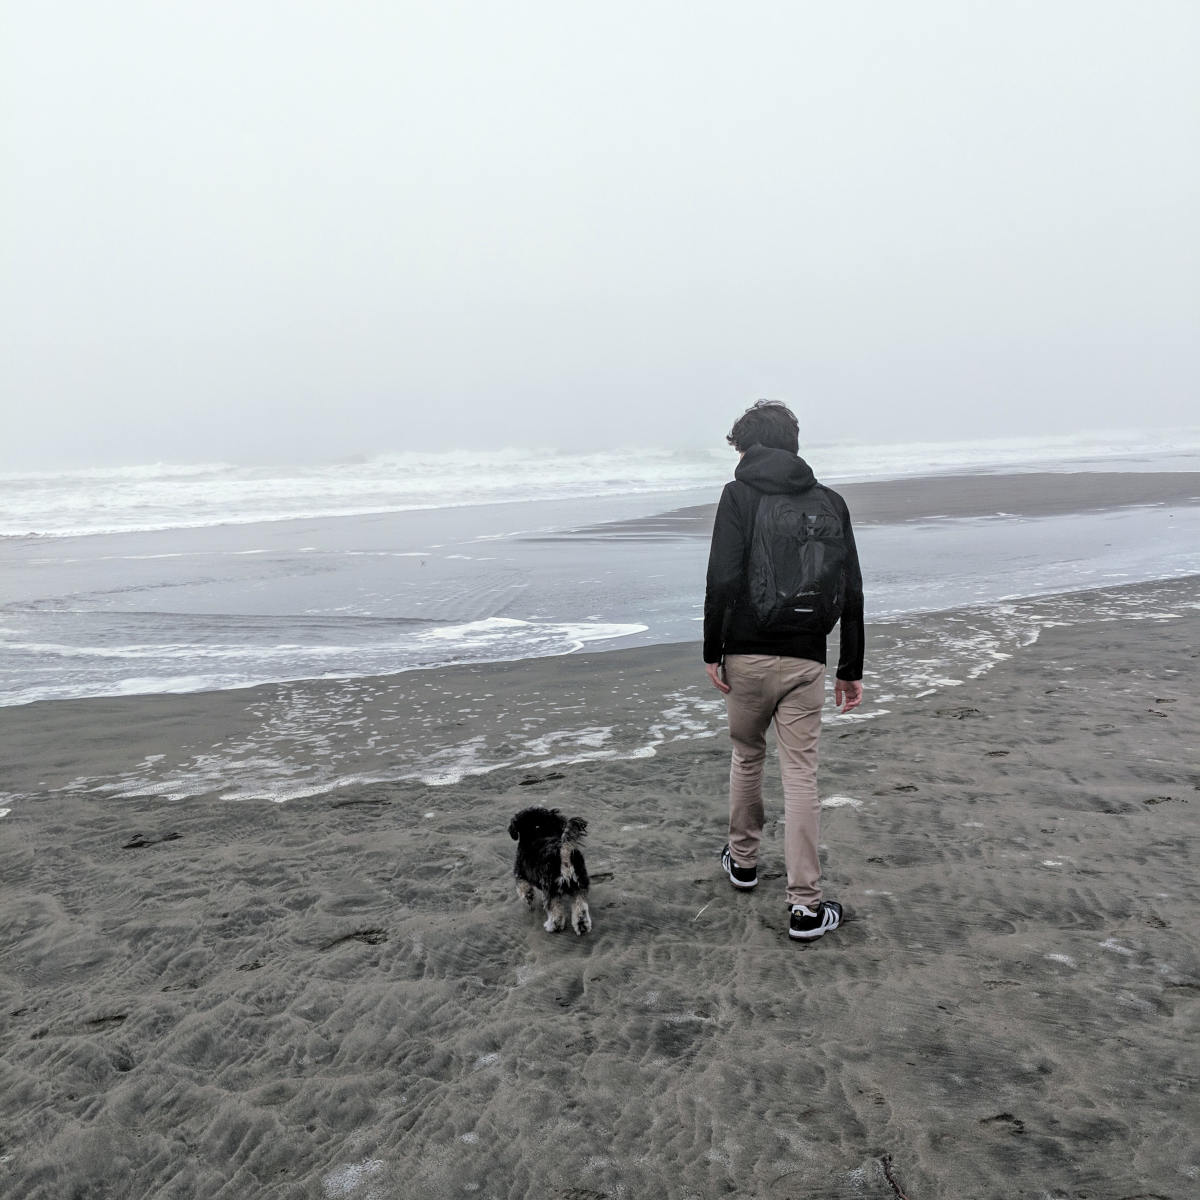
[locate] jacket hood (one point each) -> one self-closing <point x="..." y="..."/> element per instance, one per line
<point x="774" y="471"/>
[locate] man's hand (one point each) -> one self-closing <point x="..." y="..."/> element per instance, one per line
<point x="716" y="674"/>
<point x="846" y="694"/>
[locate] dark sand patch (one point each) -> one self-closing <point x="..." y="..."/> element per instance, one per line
<point x="342" y="996"/>
<point x="945" y="497"/>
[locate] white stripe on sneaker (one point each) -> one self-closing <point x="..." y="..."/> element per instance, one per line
<point x="830" y="918"/>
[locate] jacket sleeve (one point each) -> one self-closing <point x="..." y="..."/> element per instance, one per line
<point x="853" y="628"/>
<point x="726" y="567"/>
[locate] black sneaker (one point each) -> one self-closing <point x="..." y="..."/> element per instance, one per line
<point x="741" y="877"/>
<point x="807" y="924"/>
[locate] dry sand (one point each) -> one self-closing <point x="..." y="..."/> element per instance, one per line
<point x="342" y="997"/>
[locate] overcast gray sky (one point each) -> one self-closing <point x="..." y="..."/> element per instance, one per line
<point x="302" y="229"/>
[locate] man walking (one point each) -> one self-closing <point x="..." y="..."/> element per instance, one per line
<point x="783" y="569"/>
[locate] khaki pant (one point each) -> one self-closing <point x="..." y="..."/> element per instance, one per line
<point x="791" y="692"/>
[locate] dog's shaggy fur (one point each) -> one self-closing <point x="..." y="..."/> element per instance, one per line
<point x="549" y="860"/>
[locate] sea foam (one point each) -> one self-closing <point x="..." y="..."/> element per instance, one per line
<point x="184" y="496"/>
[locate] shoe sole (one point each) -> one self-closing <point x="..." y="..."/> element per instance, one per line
<point x="812" y="936"/>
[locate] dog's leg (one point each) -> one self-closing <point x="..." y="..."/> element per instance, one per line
<point x="525" y="891"/>
<point x="556" y="917"/>
<point x="581" y="919"/>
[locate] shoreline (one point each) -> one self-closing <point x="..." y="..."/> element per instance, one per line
<point x="963" y="492"/>
<point x="342" y="997"/>
<point x="353" y="599"/>
<point x="965" y="495"/>
<point x="287" y="741"/>
<point x="949" y="497"/>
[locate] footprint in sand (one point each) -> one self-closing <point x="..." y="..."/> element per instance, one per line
<point x="140" y="840"/>
<point x="1004" y="1122"/>
<point x="106" y="1022"/>
<point x="532" y="779"/>
<point x="370" y="937"/>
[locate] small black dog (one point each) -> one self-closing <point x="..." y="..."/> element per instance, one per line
<point x="549" y="860"/>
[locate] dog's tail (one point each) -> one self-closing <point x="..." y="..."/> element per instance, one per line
<point x="574" y="831"/>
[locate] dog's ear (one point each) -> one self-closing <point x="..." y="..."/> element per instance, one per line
<point x="521" y="821"/>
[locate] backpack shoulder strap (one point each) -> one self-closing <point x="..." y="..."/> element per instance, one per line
<point x="754" y="499"/>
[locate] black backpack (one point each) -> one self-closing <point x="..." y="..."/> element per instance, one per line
<point x="796" y="562"/>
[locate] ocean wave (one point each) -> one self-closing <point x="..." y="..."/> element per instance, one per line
<point x="159" y="496"/>
<point x="42" y="670"/>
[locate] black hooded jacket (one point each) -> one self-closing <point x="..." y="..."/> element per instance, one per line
<point x="729" y="624"/>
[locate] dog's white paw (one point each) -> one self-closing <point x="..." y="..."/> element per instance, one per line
<point x="581" y="919"/>
<point x="551" y="925"/>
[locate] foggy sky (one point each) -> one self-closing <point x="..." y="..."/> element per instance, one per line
<point x="297" y="230"/>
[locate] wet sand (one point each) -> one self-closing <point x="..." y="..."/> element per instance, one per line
<point x="341" y="996"/>
<point x="943" y="497"/>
